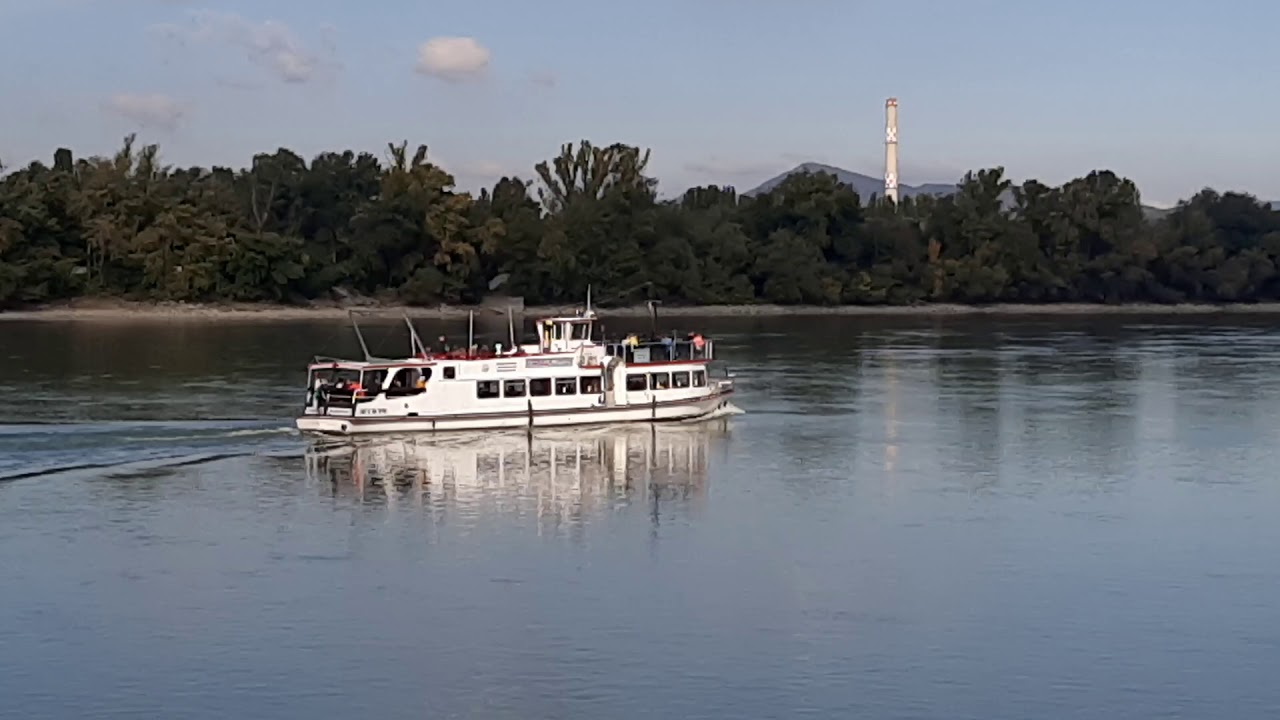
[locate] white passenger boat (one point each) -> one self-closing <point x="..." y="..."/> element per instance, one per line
<point x="566" y="378"/>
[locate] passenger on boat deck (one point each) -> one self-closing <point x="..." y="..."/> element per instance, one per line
<point x="444" y="345"/>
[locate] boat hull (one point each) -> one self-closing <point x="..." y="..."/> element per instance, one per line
<point x="681" y="410"/>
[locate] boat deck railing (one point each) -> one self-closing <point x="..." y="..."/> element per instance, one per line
<point x="661" y="350"/>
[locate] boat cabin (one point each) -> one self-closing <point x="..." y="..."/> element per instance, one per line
<point x="343" y="383"/>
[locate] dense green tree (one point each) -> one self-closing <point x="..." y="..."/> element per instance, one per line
<point x="347" y="224"/>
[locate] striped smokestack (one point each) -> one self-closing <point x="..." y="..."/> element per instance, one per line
<point x="891" y="149"/>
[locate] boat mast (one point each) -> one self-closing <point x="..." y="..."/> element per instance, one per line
<point x="511" y="327"/>
<point x="415" y="342"/>
<point x="360" y="336"/>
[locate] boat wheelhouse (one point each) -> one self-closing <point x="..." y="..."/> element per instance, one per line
<point x="565" y="378"/>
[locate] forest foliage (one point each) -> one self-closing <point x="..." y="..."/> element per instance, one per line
<point x="397" y="229"/>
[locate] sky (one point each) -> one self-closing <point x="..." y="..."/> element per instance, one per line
<point x="1176" y="95"/>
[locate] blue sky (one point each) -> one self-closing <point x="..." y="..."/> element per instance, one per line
<point x="1177" y="95"/>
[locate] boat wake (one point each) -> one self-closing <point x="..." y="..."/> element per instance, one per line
<point x="148" y="449"/>
<point x="128" y="449"/>
<point x="724" y="411"/>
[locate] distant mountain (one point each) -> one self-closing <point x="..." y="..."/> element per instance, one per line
<point x="866" y="186"/>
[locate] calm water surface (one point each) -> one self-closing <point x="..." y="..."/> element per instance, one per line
<point x="914" y="519"/>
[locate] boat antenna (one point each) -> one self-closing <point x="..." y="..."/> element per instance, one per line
<point x="360" y="336"/>
<point x="511" y="327"/>
<point x="588" y="312"/>
<point x="471" y="329"/>
<point x="415" y="342"/>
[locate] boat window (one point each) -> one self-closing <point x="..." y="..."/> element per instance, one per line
<point x="699" y="378"/>
<point x="581" y="331"/>
<point x="680" y="380"/>
<point x="513" y="388"/>
<point x="557" y="331"/>
<point x="408" y="381"/>
<point x="660" y="381"/>
<point x="332" y="386"/>
<point x="373" y="380"/>
<point x="539" y="387"/>
<point x="636" y="383"/>
<point x="450" y="372"/>
<point x="566" y="386"/>
<point x="333" y="376"/>
<point x="589" y="384"/>
<point x="487" y="389"/>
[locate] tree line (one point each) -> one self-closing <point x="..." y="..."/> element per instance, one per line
<point x="398" y="230"/>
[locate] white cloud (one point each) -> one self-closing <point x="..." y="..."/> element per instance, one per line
<point x="452" y="58"/>
<point x="153" y="111"/>
<point x="269" y="43"/>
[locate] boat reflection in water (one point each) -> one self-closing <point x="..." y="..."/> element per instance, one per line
<point x="562" y="474"/>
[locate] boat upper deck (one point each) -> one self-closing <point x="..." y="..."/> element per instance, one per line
<point x="558" y="337"/>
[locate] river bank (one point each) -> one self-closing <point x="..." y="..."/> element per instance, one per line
<point x="123" y="311"/>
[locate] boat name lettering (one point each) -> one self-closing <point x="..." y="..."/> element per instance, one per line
<point x="548" y="362"/>
<point x="373" y="411"/>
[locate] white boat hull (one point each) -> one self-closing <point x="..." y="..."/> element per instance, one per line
<point x="670" y="411"/>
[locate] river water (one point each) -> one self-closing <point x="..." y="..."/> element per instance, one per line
<point x="930" y="518"/>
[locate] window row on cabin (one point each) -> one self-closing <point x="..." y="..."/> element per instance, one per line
<point x="639" y="382"/>
<point x="587" y="385"/>
<point x="538" y="387"/>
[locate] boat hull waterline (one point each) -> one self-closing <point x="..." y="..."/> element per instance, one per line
<point x="676" y="411"/>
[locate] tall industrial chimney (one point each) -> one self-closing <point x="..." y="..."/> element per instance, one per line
<point x="891" y="149"/>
